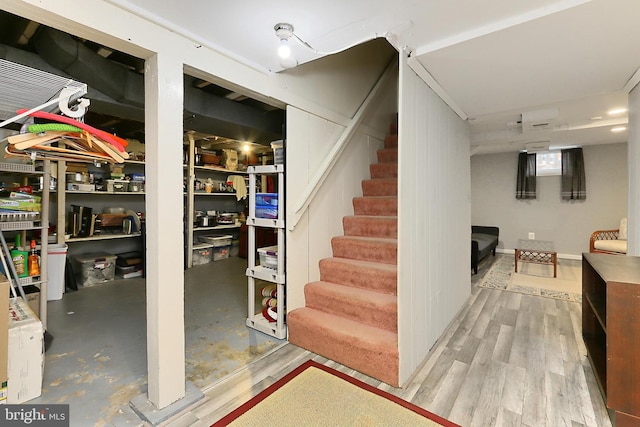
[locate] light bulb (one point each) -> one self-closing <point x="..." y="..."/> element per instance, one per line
<point x="284" y="51"/>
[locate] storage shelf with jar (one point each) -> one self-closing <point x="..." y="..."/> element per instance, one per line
<point x="211" y="203"/>
<point x="117" y="190"/>
<point x="27" y="226"/>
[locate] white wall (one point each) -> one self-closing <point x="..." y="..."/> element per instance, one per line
<point x="568" y="224"/>
<point x="433" y="219"/>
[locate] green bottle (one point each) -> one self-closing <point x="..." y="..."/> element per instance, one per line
<point x="20" y="258"/>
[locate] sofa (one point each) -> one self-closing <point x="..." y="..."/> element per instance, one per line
<point x="484" y="240"/>
<point x="610" y="241"/>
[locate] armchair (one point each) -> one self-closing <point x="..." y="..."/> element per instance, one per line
<point x="610" y="241"/>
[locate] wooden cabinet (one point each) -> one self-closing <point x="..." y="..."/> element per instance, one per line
<point x="611" y="330"/>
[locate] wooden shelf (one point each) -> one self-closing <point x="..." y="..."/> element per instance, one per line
<point x="611" y="329"/>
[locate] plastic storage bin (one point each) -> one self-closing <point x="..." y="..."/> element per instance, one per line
<point x="269" y="256"/>
<point x="216" y="240"/>
<point x="221" y="252"/>
<point x="267" y="199"/>
<point x="201" y="254"/>
<point x="267" y="205"/>
<point x="117" y="185"/>
<point x="94" y="267"/>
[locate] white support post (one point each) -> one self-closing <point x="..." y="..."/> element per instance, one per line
<point x="164" y="96"/>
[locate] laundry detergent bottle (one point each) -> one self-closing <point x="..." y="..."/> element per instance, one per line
<point x="20" y="258"/>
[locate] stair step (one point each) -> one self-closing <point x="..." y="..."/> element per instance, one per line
<point x="361" y="305"/>
<point x="380" y="187"/>
<point x="388" y="155"/>
<point x="367" y="349"/>
<point x="369" y="275"/>
<point x="374" y="249"/>
<point x="383" y="170"/>
<point x="371" y="226"/>
<point x="376" y="205"/>
<point x="391" y="141"/>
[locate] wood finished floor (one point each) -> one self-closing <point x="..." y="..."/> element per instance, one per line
<point x="508" y="359"/>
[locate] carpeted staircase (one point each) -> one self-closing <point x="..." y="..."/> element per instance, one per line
<point x="350" y="315"/>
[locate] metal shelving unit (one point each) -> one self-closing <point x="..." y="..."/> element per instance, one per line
<point x="255" y="272"/>
<point x="191" y="169"/>
<point x="41" y="223"/>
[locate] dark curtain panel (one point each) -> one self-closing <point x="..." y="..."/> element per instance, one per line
<point x="526" y="184"/>
<point x="574" y="184"/>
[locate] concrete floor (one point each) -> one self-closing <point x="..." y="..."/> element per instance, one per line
<point x="97" y="359"/>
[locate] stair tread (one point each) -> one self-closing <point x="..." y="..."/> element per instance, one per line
<point x="375" y="217"/>
<point x="356" y="331"/>
<point x="368" y="239"/>
<point x="364" y="264"/>
<point x="351" y="292"/>
<point x="382" y="179"/>
<point x="378" y="198"/>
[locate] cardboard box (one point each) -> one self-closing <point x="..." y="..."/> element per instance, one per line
<point x="26" y="353"/>
<point x="4" y="337"/>
<point x="32" y="292"/>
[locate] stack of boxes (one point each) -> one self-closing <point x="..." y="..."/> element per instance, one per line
<point x="25" y="361"/>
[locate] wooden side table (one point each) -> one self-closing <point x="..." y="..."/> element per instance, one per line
<point x="537" y="252"/>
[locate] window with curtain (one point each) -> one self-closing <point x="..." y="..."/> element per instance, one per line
<point x="526" y="180"/>
<point x="574" y="185"/>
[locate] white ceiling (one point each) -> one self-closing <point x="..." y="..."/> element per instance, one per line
<point x="492" y="59"/>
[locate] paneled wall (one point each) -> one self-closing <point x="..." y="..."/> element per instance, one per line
<point x="568" y="224"/>
<point x="434" y="218"/>
<point x="309" y="139"/>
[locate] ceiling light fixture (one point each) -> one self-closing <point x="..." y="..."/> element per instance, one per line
<point x="284" y="32"/>
<point x="618" y="129"/>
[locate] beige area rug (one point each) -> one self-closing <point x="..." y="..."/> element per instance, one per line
<point x="316" y="395"/>
<point x="536" y="279"/>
